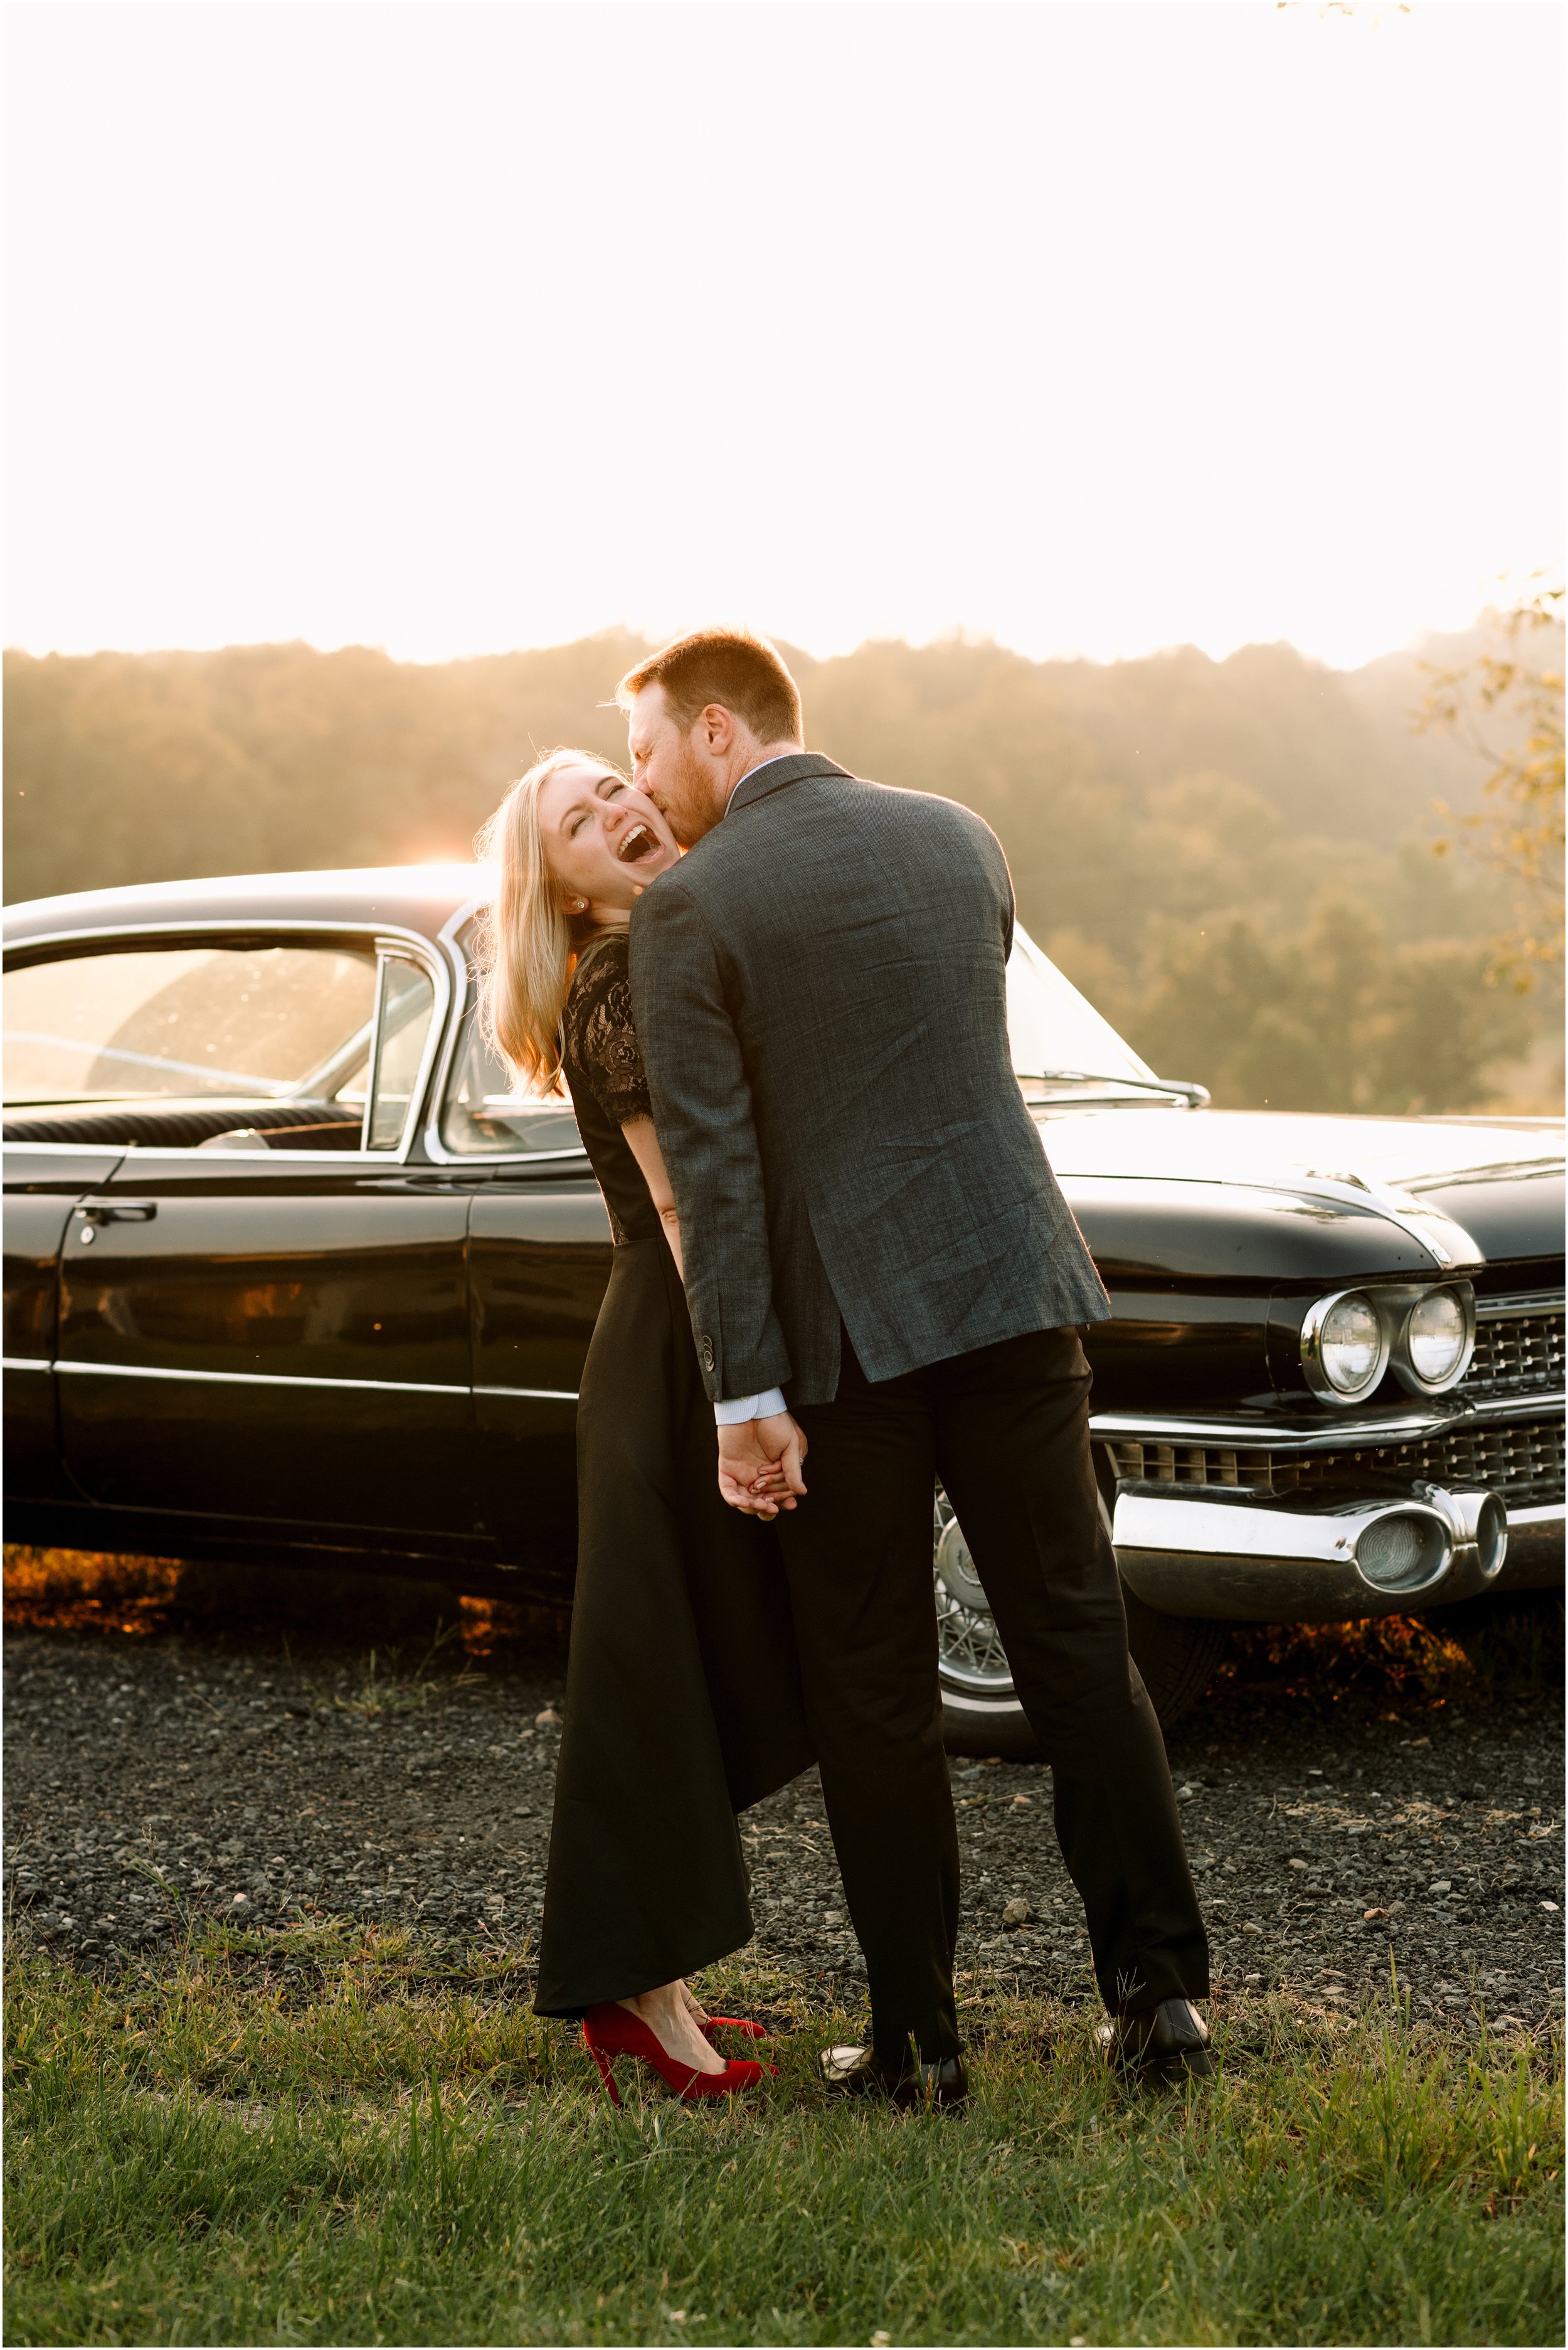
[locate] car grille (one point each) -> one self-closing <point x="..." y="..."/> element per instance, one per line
<point x="1523" y="1462"/>
<point x="1516" y="1353"/>
<point x="1190" y="1464"/>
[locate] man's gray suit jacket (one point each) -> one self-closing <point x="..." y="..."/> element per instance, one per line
<point x="820" y="995"/>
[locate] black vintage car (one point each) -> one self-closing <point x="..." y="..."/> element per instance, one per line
<point x="291" y="1271"/>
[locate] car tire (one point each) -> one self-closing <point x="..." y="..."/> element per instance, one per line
<point x="1176" y="1655"/>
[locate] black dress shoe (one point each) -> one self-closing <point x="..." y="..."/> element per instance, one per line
<point x="1169" y="2044"/>
<point x="856" y="2073"/>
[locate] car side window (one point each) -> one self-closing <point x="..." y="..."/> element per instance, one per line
<point x="483" y="1115"/>
<point x="188" y="1023"/>
<point x="405" y="1006"/>
<point x="228" y="1045"/>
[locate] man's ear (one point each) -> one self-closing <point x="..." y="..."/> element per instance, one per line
<point x="718" y="725"/>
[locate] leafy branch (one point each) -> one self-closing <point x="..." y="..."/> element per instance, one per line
<point x="1507" y="706"/>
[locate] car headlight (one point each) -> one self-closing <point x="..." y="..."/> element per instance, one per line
<point x="1344" y="1347"/>
<point x="1435" y="1344"/>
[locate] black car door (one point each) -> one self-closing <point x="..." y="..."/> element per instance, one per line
<point x="539" y="1257"/>
<point x="266" y="1321"/>
<point x="43" y="1182"/>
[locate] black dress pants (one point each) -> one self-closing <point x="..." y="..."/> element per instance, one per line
<point x="1006" y="1429"/>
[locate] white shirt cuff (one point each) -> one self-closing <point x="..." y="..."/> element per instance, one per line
<point x="751" y="1406"/>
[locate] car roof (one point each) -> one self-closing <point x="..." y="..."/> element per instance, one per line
<point x="420" y="897"/>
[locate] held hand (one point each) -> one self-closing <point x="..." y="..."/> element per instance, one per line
<point x="783" y="1438"/>
<point x="760" y="1464"/>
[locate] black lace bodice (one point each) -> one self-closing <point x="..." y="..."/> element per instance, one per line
<point x="608" y="1087"/>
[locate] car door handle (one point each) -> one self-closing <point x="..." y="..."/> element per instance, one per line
<point x="119" y="1212"/>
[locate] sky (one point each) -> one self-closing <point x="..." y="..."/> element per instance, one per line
<point x="1093" y="328"/>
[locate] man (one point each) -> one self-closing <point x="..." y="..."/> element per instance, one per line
<point x="869" y="1222"/>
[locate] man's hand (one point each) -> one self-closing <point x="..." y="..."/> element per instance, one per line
<point x="760" y="1464"/>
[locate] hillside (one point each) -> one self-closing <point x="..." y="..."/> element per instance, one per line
<point x="1232" y="857"/>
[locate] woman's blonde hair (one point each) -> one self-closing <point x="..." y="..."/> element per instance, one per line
<point x="526" y="943"/>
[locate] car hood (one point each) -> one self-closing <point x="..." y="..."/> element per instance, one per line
<point x="1464" y="1190"/>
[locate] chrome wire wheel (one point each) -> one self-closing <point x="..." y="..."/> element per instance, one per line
<point x="969" y="1653"/>
<point x="1176" y="1654"/>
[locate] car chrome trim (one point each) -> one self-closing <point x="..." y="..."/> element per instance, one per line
<point x="201" y="927"/>
<point x="454" y="924"/>
<point x="1243" y="1562"/>
<point x="391" y="946"/>
<point x="1519" y="1304"/>
<point x="534" y="1395"/>
<point x="1444" y="1239"/>
<point x="1405" y="1370"/>
<point x="1315" y="1436"/>
<point x="1310" y="1348"/>
<point x="277" y="1380"/>
<point x="95" y="1149"/>
<point x="1535" y="1549"/>
<point x="361" y="1162"/>
<point x="1478" y="1518"/>
<point x="249" y="1378"/>
<point x="364" y="1161"/>
<point x="436" y="1149"/>
<point x="519" y="1159"/>
<point x="373" y="1050"/>
<point x="1538" y="1513"/>
<point x="1393" y="1302"/>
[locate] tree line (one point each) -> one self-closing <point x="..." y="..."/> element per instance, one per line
<point x="1234" y="859"/>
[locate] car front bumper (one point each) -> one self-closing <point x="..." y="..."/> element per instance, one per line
<point x="1318" y="1540"/>
<point x="1262" y="1565"/>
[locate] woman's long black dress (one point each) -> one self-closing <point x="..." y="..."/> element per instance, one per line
<point x="683" y="1701"/>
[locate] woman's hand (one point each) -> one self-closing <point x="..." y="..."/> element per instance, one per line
<point x="760" y="1464"/>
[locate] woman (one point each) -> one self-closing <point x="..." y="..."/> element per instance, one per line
<point x="683" y="1701"/>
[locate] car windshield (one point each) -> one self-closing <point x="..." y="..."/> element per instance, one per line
<point x="1059" y="1042"/>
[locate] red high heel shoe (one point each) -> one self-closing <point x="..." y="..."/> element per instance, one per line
<point x="611" y="2031"/>
<point x="733" y="2023"/>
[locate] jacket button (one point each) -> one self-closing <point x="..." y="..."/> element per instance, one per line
<point x="705" y="1348"/>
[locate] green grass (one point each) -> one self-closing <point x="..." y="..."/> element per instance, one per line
<point x="322" y="2138"/>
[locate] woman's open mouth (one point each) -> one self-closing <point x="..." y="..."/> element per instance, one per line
<point x="638" y="844"/>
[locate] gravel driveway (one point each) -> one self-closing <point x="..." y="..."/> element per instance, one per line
<point x="147" y="1776"/>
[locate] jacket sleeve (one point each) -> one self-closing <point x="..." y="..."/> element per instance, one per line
<point x="702" y="1115"/>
